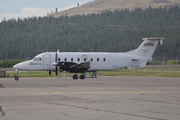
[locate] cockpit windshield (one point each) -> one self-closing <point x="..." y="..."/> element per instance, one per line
<point x="37" y="59"/>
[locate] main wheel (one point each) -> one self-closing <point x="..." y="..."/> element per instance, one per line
<point x="75" y="77"/>
<point x="82" y="76"/>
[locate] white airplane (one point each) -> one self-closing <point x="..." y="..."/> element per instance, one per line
<point x="80" y="62"/>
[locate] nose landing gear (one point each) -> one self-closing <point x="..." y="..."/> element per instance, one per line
<point x="16" y="77"/>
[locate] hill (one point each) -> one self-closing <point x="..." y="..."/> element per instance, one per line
<point x="98" y="6"/>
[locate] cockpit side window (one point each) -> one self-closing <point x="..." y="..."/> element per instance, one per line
<point x="39" y="59"/>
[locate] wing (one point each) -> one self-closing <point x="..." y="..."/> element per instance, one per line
<point x="81" y="66"/>
<point x="74" y="67"/>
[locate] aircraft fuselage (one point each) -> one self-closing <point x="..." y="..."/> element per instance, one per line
<point x="98" y="60"/>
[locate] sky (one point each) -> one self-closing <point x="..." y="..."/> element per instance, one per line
<point x="27" y="8"/>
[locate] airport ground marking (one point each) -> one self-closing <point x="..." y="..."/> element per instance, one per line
<point x="96" y="93"/>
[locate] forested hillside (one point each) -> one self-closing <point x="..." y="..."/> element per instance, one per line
<point x="121" y="30"/>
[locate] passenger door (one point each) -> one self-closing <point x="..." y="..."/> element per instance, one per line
<point x="46" y="61"/>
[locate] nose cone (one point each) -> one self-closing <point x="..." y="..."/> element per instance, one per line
<point x="17" y="66"/>
<point x="27" y="65"/>
<point x="21" y="66"/>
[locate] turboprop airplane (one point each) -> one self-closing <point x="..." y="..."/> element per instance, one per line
<point x="80" y="62"/>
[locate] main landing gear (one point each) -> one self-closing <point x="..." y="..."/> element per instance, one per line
<point x="75" y="77"/>
<point x="16" y="77"/>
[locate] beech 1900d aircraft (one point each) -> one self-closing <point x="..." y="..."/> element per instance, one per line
<point x="80" y="62"/>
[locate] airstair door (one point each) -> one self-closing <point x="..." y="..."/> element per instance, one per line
<point x="47" y="61"/>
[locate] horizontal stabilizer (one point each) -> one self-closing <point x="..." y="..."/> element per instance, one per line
<point x="160" y="40"/>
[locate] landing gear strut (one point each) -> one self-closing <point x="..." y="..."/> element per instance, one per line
<point x="16" y="77"/>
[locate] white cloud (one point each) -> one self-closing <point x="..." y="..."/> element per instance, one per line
<point x="18" y="8"/>
<point x="29" y="11"/>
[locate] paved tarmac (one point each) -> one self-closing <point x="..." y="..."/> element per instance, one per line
<point x="103" y="98"/>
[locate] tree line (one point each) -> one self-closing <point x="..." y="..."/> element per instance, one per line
<point x="110" y="31"/>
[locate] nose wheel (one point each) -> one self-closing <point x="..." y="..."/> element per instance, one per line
<point x="16" y="77"/>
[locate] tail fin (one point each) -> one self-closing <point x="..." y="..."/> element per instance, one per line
<point x="147" y="48"/>
<point x="144" y="52"/>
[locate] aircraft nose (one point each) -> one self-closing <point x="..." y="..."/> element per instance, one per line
<point x="23" y="66"/>
<point x="17" y="66"/>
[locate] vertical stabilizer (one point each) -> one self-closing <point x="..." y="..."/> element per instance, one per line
<point x="147" y="48"/>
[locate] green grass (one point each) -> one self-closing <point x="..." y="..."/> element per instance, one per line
<point x="155" y="72"/>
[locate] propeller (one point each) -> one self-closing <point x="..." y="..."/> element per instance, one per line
<point x="56" y="63"/>
<point x="56" y="59"/>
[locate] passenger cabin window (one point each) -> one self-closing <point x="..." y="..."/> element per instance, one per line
<point x="91" y="59"/>
<point x="85" y="59"/>
<point x="98" y="59"/>
<point x="65" y="59"/>
<point x="78" y="59"/>
<point x="104" y="59"/>
<point x="71" y="59"/>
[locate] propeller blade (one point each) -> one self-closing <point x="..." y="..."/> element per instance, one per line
<point x="56" y="64"/>
<point x="56" y="57"/>
<point x="56" y="71"/>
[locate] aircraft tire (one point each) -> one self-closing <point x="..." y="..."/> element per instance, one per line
<point x="82" y="76"/>
<point x="75" y="77"/>
<point x="16" y="78"/>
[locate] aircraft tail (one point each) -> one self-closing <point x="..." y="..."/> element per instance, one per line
<point x="147" y="48"/>
<point x="144" y="52"/>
